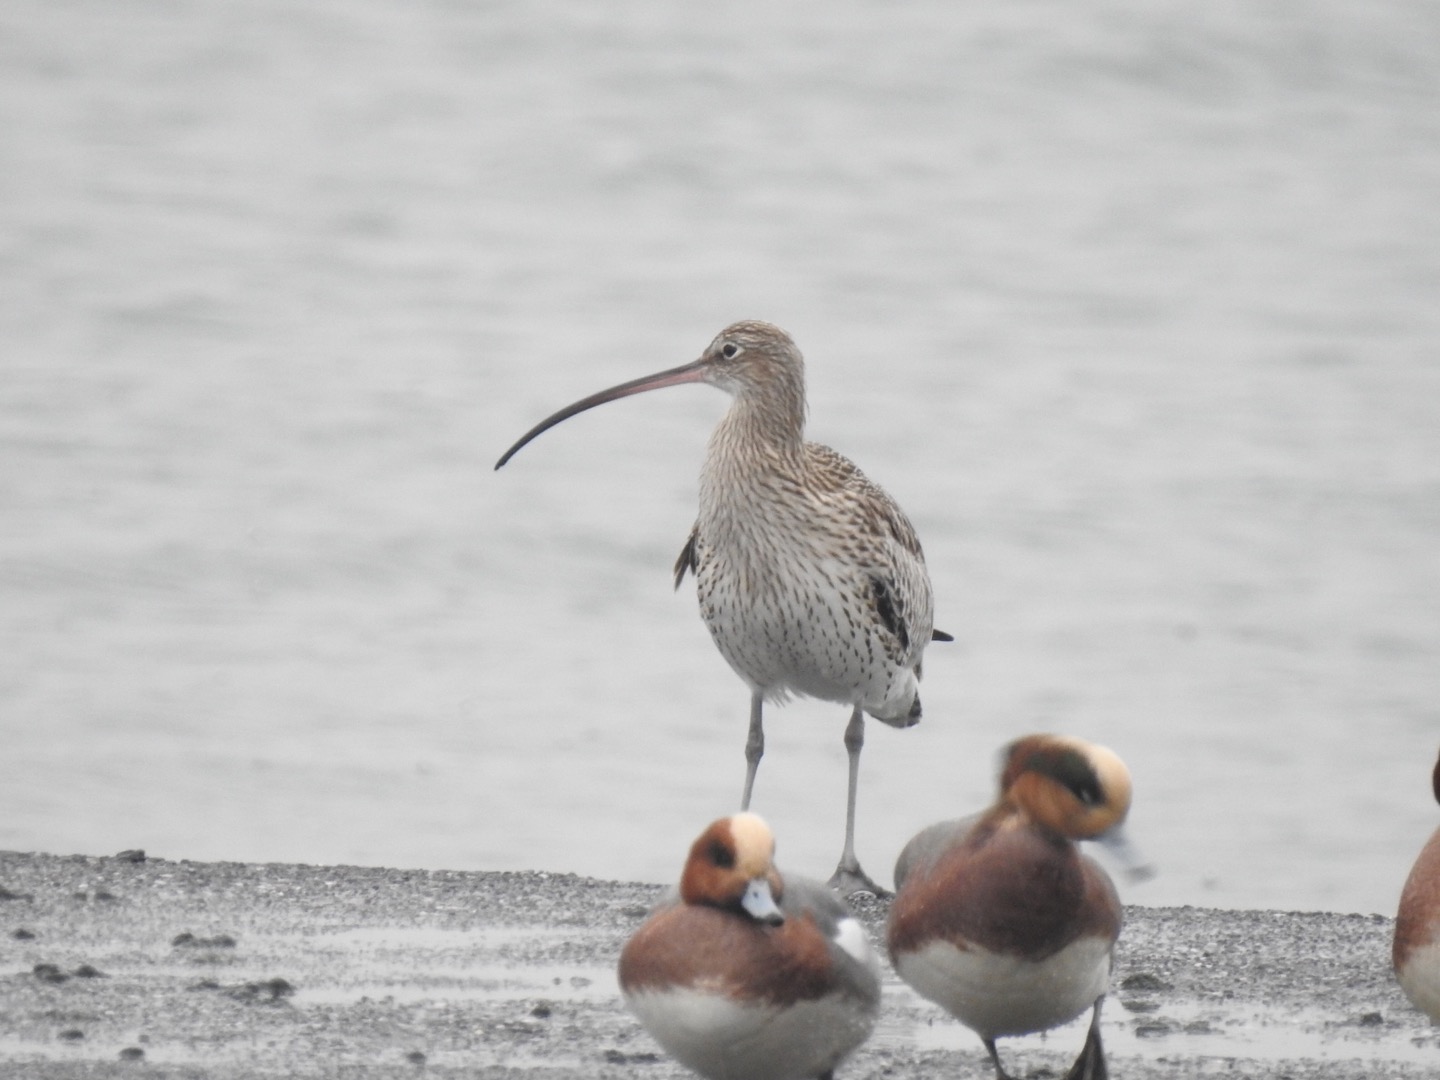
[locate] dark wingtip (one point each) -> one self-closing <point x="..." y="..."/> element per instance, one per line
<point x="687" y="561"/>
<point x="935" y="635"/>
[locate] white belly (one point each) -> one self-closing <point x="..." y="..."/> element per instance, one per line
<point x="724" y="1040"/>
<point x="1420" y="979"/>
<point x="995" y="994"/>
<point x="808" y="629"/>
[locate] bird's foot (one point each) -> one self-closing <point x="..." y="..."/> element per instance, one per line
<point x="849" y="880"/>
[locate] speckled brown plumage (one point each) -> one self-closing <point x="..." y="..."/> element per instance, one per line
<point x="809" y="577"/>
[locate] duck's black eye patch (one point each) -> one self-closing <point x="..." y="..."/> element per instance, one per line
<point x="1076" y="773"/>
<point x="1088" y="791"/>
<point x="1071" y="769"/>
<point x="721" y="855"/>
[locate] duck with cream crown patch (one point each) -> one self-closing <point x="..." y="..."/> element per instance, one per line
<point x="999" y="918"/>
<point x="1416" y="950"/>
<point x="747" y="974"/>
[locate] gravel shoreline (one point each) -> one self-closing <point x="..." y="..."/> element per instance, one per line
<point x="130" y="965"/>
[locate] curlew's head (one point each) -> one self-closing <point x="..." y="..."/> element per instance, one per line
<point x="755" y="362"/>
<point x="755" y="359"/>
<point x="1067" y="785"/>
<point x="732" y="865"/>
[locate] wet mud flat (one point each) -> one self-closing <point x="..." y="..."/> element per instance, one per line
<point x="139" y="966"/>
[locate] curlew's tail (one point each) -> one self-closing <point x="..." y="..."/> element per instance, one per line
<point x="903" y="718"/>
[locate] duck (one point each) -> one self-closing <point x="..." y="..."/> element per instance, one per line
<point x="1415" y="952"/>
<point x="999" y="918"/>
<point x="743" y="973"/>
<point x="809" y="576"/>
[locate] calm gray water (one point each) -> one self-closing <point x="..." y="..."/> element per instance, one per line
<point x="1134" y="307"/>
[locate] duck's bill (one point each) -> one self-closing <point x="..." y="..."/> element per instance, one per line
<point x="759" y="901"/>
<point x="1133" y="864"/>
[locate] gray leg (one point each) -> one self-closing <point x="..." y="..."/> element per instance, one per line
<point x="1000" y="1074"/>
<point x="754" y="748"/>
<point x="1090" y="1065"/>
<point x="848" y="877"/>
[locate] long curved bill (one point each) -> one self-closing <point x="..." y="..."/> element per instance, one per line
<point x="685" y="373"/>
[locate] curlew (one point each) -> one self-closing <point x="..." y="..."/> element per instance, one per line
<point x="810" y="578"/>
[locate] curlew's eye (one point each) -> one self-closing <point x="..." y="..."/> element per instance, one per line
<point x="729" y="350"/>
